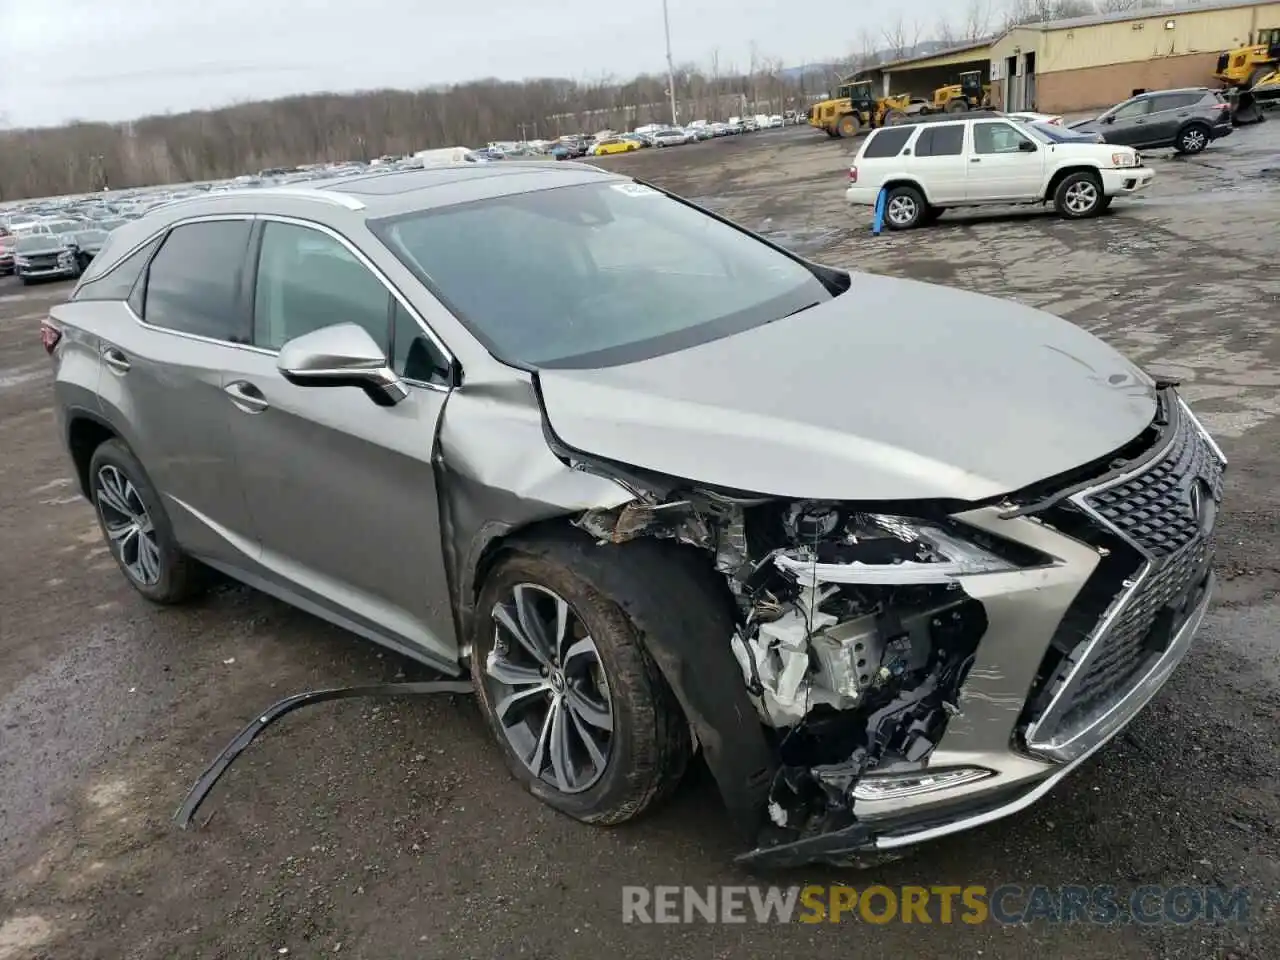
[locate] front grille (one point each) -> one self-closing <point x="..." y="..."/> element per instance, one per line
<point x="1155" y="510"/>
<point x="1167" y="531"/>
<point x="43" y="261"/>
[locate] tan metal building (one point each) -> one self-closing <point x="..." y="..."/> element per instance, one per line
<point x="1087" y="62"/>
<point x="920" y="76"/>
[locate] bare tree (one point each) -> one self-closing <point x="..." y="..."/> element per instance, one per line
<point x="1119" y="6"/>
<point x="901" y="37"/>
<point x="247" y="137"/>
<point x="977" y="20"/>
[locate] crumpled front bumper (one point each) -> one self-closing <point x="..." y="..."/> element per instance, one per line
<point x="1071" y="653"/>
<point x="1001" y="795"/>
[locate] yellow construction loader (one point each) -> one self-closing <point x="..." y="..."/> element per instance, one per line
<point x="969" y="94"/>
<point x="1251" y="74"/>
<point x="856" y="107"/>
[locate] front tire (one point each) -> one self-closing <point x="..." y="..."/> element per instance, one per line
<point x="582" y="714"/>
<point x="1192" y="139"/>
<point x="904" y="208"/>
<point x="1078" y="196"/>
<point x="138" y="532"/>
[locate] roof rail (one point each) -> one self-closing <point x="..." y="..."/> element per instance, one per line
<point x="298" y="193"/>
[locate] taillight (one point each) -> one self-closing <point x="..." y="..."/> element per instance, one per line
<point x="49" y="336"/>
<point x="853" y="174"/>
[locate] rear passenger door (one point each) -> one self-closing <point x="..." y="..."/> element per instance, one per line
<point x="1168" y="113"/>
<point x="342" y="492"/>
<point x="940" y="162"/>
<point x="162" y="380"/>
<point x="1004" y="163"/>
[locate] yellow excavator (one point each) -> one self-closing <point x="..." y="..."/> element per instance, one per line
<point x="1251" y="74"/>
<point x="969" y="94"/>
<point x="855" y="107"/>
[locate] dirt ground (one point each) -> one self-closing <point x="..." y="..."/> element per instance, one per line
<point x="381" y="829"/>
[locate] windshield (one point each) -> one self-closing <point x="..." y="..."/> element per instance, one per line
<point x="596" y="274"/>
<point x="1049" y="133"/>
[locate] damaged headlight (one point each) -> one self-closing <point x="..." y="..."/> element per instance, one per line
<point x="876" y="548"/>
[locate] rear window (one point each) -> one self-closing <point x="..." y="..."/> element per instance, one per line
<point x="887" y="142"/>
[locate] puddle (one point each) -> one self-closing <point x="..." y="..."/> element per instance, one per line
<point x="19" y="375"/>
<point x="800" y="239"/>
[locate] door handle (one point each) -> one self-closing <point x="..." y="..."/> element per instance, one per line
<point x="246" y="396"/>
<point x="116" y="360"/>
<point x="975" y="159"/>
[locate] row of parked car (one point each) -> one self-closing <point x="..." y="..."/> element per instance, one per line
<point x="46" y="242"/>
<point x="661" y="135"/>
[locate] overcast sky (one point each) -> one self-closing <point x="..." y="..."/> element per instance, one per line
<point x="120" y="59"/>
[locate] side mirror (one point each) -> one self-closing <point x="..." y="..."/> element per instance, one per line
<point x="1109" y="118"/>
<point x="1026" y="146"/>
<point x="341" y="355"/>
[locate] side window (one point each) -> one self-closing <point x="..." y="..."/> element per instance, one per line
<point x="413" y="354"/>
<point x="887" y="142"/>
<point x="997" y="138"/>
<point x="119" y="281"/>
<point x="1135" y="108"/>
<point x="1174" y="101"/>
<point x="941" y="140"/>
<point x="193" y="285"/>
<point x="308" y="280"/>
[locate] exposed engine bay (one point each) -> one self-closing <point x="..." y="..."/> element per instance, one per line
<point x="853" y="633"/>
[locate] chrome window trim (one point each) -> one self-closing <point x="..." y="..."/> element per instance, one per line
<point x="263" y="351"/>
<point x="198" y="338"/>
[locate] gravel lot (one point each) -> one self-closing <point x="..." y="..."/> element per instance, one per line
<point x="384" y="829"/>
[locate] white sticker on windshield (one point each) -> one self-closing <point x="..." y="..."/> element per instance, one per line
<point x="636" y="190"/>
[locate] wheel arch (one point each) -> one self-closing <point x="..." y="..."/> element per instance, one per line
<point x="86" y="431"/>
<point x="1064" y="172"/>
<point x="904" y="181"/>
<point x="683" y="612"/>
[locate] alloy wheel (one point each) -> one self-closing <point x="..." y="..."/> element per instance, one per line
<point x="548" y="689"/>
<point x="902" y="210"/>
<point x="1081" y="197"/>
<point x="1193" y="141"/>
<point x="130" y="530"/>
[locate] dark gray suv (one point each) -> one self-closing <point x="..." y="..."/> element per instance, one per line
<point x="1187" y="120"/>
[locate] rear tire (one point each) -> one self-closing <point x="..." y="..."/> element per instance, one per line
<point x="641" y="757"/>
<point x="904" y="208"/>
<point x="847" y="126"/>
<point x="136" y="528"/>
<point x="1192" y="139"/>
<point x="958" y="106"/>
<point x="1079" y="196"/>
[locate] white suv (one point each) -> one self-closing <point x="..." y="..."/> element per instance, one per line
<point x="928" y="166"/>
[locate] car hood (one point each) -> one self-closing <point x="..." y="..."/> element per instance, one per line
<point x="896" y="390"/>
<point x="1089" y="126"/>
<point x="39" y="250"/>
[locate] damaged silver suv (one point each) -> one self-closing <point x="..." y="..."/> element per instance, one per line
<point x="895" y="558"/>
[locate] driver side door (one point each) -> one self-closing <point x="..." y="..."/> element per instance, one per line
<point x="1003" y="163"/>
<point x="342" y="491"/>
<point x="1129" y="124"/>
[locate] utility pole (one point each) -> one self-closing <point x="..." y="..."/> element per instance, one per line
<point x="671" y="70"/>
